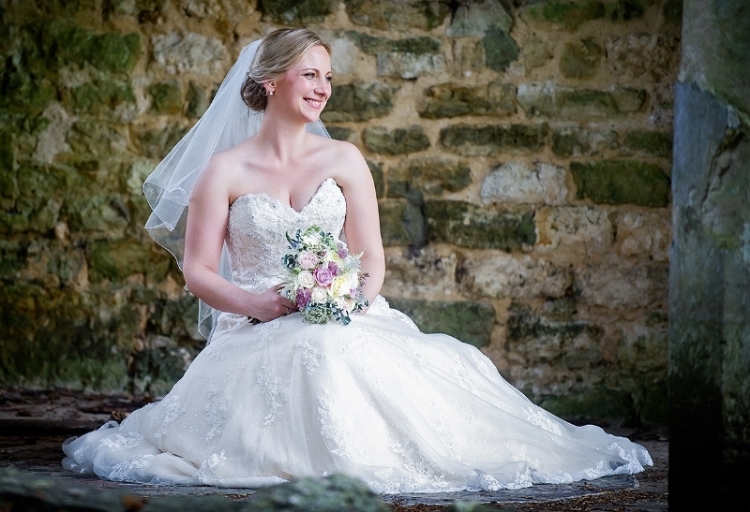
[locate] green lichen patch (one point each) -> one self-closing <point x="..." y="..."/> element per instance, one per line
<point x="376" y="170"/>
<point x="166" y="97"/>
<point x="500" y="49"/>
<point x="599" y="403"/>
<point x="649" y="143"/>
<point x="198" y="100"/>
<point x="400" y="141"/>
<point x="375" y="45"/>
<point x="297" y="11"/>
<point x="101" y="96"/>
<point x="431" y="176"/>
<point x="452" y="100"/>
<point x="393" y="223"/>
<point x="359" y="101"/>
<point x="581" y="59"/>
<point x="569" y="14"/>
<point x="470" y="322"/>
<point x="468" y="225"/>
<point x="340" y="133"/>
<point x="621" y="182"/>
<point x="401" y="15"/>
<point x="117" y="260"/>
<point x="474" y="140"/>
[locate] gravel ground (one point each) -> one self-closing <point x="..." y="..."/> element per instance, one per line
<point x="33" y="425"/>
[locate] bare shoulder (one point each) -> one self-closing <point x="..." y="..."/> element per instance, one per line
<point x="220" y="173"/>
<point x="344" y="159"/>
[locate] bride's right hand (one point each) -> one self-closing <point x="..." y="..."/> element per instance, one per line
<point x="270" y="305"/>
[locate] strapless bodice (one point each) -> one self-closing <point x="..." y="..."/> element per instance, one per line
<point x="257" y="228"/>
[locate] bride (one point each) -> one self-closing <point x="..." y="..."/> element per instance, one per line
<point x="272" y="398"/>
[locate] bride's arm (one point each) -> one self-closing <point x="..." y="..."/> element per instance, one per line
<point x="208" y="215"/>
<point x="362" y="226"/>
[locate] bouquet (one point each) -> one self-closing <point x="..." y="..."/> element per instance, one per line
<point x="323" y="279"/>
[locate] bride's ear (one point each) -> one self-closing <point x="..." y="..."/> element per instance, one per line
<point x="269" y="88"/>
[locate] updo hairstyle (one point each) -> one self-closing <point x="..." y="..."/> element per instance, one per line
<point x="277" y="53"/>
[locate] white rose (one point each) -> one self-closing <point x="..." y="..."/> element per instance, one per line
<point x="319" y="295"/>
<point x="305" y="279"/>
<point x="339" y="287"/>
<point x="312" y="239"/>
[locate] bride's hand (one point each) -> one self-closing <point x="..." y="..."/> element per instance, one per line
<point x="271" y="305"/>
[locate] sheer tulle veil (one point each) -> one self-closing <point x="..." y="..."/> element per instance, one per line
<point x="226" y="123"/>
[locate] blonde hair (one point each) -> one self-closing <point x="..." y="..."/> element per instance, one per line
<point x="277" y="53"/>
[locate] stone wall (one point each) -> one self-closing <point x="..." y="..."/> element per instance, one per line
<point x="521" y="152"/>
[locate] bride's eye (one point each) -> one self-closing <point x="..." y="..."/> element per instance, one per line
<point x="310" y="75"/>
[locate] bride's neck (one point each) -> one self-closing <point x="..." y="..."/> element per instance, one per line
<point x="284" y="141"/>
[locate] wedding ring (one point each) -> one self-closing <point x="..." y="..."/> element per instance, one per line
<point x="287" y="310"/>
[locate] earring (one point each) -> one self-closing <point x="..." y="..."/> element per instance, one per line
<point x="270" y="93"/>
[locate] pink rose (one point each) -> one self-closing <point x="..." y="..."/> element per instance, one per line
<point x="323" y="276"/>
<point x="307" y="260"/>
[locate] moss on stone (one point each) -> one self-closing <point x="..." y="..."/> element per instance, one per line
<point x="470" y="322"/>
<point x="402" y="15"/>
<point x="648" y="142"/>
<point x="621" y="182"/>
<point x="120" y="259"/>
<point x="452" y="100"/>
<point x="359" y="101"/>
<point x="100" y="96"/>
<point x="376" y="170"/>
<point x="166" y="97"/>
<point x="431" y="176"/>
<point x="567" y="13"/>
<point x="468" y="225"/>
<point x="599" y="403"/>
<point x="392" y="227"/>
<point x="400" y="141"/>
<point x="500" y="49"/>
<point x="340" y="133"/>
<point x="493" y="139"/>
<point x="198" y="100"/>
<point x="581" y="59"/>
<point x="374" y="45"/>
<point x="296" y="11"/>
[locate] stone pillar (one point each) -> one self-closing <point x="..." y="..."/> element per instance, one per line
<point x="709" y="340"/>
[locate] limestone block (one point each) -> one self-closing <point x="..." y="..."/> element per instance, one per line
<point x="433" y="176"/>
<point x="341" y="133"/>
<point x="470" y="322"/>
<point x="549" y="100"/>
<point x="402" y="15"/>
<point x="473" y="19"/>
<point x="614" y="285"/>
<point x="581" y="229"/>
<point x="189" y="52"/>
<point x="429" y="272"/>
<point x="644" y="234"/>
<point x="504" y="276"/>
<point x="112" y="99"/>
<point x="359" y="101"/>
<point x="202" y="9"/>
<point x="400" y="141"/>
<point x="520" y="183"/>
<point x="581" y="59"/>
<point x="452" y="100"/>
<point x="621" y="182"/>
<point x="500" y="49"/>
<point x="468" y="225"/>
<point x="50" y="143"/>
<point x="393" y="227"/>
<point x="409" y="65"/>
<point x="478" y="140"/>
<point x="654" y="56"/>
<point x="576" y="141"/>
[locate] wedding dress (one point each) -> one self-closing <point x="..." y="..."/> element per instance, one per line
<point x="377" y="399"/>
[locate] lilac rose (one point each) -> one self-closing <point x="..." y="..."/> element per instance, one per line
<point x="323" y="276"/>
<point x="303" y="298"/>
<point x="307" y="260"/>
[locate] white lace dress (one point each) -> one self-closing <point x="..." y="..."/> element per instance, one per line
<point x="378" y="399"/>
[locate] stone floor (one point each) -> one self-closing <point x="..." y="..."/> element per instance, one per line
<point x="33" y="425"/>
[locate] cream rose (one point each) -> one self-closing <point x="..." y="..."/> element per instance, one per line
<point x="305" y="279"/>
<point x="339" y="287"/>
<point x="319" y="295"/>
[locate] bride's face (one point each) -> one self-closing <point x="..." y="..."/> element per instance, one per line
<point x="306" y="87"/>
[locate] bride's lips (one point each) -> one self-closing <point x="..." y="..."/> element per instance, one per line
<point x="314" y="103"/>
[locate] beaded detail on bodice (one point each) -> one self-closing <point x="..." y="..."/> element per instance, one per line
<point x="257" y="228"/>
